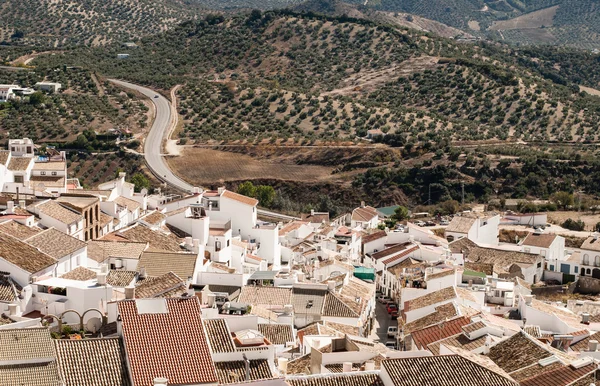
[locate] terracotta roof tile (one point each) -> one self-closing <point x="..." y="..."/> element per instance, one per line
<point x="160" y="263"/>
<point x="591" y="244"/>
<point x="128" y="203"/>
<point x="4" y="154"/>
<point x="18" y="230"/>
<point x="235" y="371"/>
<point x="441" y="313"/>
<point x="335" y="306"/>
<point x="120" y="278"/>
<point x="80" y="274"/>
<point x="17" y="164"/>
<point x="373" y="236"/>
<point x="277" y="333"/>
<point x="265" y="296"/>
<point x="154" y="218"/>
<point x="154" y="342"/>
<point x="308" y="300"/>
<point x="344" y="379"/>
<point x="100" y="250"/>
<point x="58" y="212"/>
<point x="158" y="241"/>
<point x="392" y="250"/>
<point x="291" y="226"/>
<point x="219" y="336"/>
<point x="423" y="338"/>
<point x="56" y="243"/>
<point x="435" y="297"/>
<point x="459" y="340"/>
<point x="152" y="287"/>
<point x="239" y="198"/>
<point x="98" y="362"/>
<point x="446" y="370"/>
<point x="9" y="290"/>
<point x="23" y="255"/>
<point x="362" y="214"/>
<point x="543" y="240"/>
<point x="517" y="352"/>
<point x="560" y="376"/>
<point x="460" y="224"/>
<point x="55" y="165"/>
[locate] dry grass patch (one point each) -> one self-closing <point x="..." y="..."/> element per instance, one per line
<point x="537" y="19"/>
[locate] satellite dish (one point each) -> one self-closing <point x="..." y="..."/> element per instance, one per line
<point x="144" y="192"/>
<point x="93" y="325"/>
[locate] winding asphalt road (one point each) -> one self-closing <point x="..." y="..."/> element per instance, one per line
<point x="158" y="133"/>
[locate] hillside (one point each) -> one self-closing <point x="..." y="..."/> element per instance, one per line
<point x="90" y="22"/>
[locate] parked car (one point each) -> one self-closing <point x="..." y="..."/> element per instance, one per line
<point x="392" y="307"/>
<point x="392" y="331"/>
<point x="444" y="222"/>
<point x="391" y="344"/>
<point x="394" y="315"/>
<point x="430" y="224"/>
<point x="387" y="300"/>
<point x="420" y="223"/>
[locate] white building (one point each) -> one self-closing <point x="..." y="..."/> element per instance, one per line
<point x="481" y="230"/>
<point x="48" y="86"/>
<point x="7" y="92"/>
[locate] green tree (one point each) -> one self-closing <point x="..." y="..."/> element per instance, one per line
<point x="573" y="225"/>
<point x="265" y="195"/>
<point x="140" y="181"/>
<point x="247" y="189"/>
<point x="400" y="213"/>
<point x="562" y="199"/>
<point x="597" y="227"/>
<point x="37" y="98"/>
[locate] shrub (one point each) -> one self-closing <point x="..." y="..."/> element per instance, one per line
<point x="573" y="225"/>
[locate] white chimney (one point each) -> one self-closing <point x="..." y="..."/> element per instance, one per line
<point x="10" y="207"/>
<point x="595" y="235"/>
<point x="347" y="367"/>
<point x="22" y="204"/>
<point x="130" y="292"/>
<point x="196" y="190"/>
<point x="411" y="239"/>
<point x="263" y="265"/>
<point x="13" y="309"/>
<point x="101" y="278"/>
<point x="282" y="364"/>
<point x="211" y="300"/>
<point x="528" y="299"/>
<point x="122" y="175"/>
<point x="316" y="343"/>
<point x="221" y="190"/>
<point x="288" y="309"/>
<point x="160" y="381"/>
<point x="320" y="277"/>
<point x="188" y="242"/>
<point x="300" y="276"/>
<point x="369" y="366"/>
<point x="104" y="268"/>
<point x="142" y="272"/>
<point x="486" y="346"/>
<point x="593" y="345"/>
<point x="331" y="285"/>
<point x="63" y="155"/>
<point x="312" y="212"/>
<point x="585" y="318"/>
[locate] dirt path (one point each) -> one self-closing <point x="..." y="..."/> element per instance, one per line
<point x="98" y="84"/>
<point x="26" y="59"/>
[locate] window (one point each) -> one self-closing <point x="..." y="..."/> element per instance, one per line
<point x="597" y="261"/>
<point x="54" y="173"/>
<point x="551" y="267"/>
<point x="586" y="259"/>
<point x="576" y="269"/>
<point x="539" y="265"/>
<point x="42" y="173"/>
<point x="19" y="179"/>
<point x="228" y="242"/>
<point x="77" y="260"/>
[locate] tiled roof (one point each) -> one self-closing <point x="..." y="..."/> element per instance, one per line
<point x="128" y="203"/>
<point x="344" y="379"/>
<point x="120" y="278"/>
<point x="560" y="376"/>
<point x="460" y="224"/>
<point x="235" y="371"/>
<point x="475" y="326"/>
<point x="534" y="370"/>
<point x="8" y="289"/>
<point x="446" y="370"/>
<point x="18" y="230"/>
<point x="267" y="296"/>
<point x="100" y="250"/>
<point x="443" y="273"/>
<point x="277" y="333"/>
<point x="582" y="345"/>
<point x="459" y="340"/>
<point x="501" y="259"/>
<point x="19" y="163"/>
<point x="391" y="250"/>
<point x="308" y="301"/>
<point x="364" y="213"/>
<point x="435" y="297"/>
<point x="32" y="352"/>
<point x="56" y="243"/>
<point x="317" y="217"/>
<point x="239" y="198"/>
<point x="441" y="313"/>
<point x="56" y="165"/>
<point x="154" y="218"/>
<point x="98" y="362"/>
<point x="543" y="240"/>
<point x="4" y="156"/>
<point x="300" y="365"/>
<point x="373" y="236"/>
<point x="23" y="255"/>
<point x="169" y="344"/>
<point x="47" y="181"/>
<point x="232" y="291"/>
<point x="423" y="338"/>
<point x="80" y="274"/>
<point x="105" y="219"/>
<point x="343" y="328"/>
<point x="158" y="286"/>
<point x="462" y="245"/>
<point x="518" y="351"/>
<point x="398" y="257"/>
<point x="58" y="212"/>
<point x="158" y="240"/>
<point x="78" y="203"/>
<point x="219" y="336"/>
<point x="591" y="244"/>
<point x="291" y="226"/>
<point x="160" y="263"/>
<point x="336" y="307"/>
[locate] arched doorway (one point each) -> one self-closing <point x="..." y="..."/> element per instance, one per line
<point x="596" y="273"/>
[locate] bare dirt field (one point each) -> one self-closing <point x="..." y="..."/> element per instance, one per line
<point x="588" y="218"/>
<point x="537" y="19"/>
<point x="589" y="90"/>
<point x="205" y="166"/>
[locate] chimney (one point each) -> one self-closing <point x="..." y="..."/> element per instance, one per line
<point x="486" y="346"/>
<point x="142" y="272"/>
<point x="211" y="300"/>
<point x="22" y="204"/>
<point x="593" y="345"/>
<point x="585" y="318"/>
<point x="312" y="212"/>
<point x="263" y="266"/>
<point x="470" y="283"/>
<point x="362" y="204"/>
<point x="347" y="367"/>
<point x="130" y="292"/>
<point x="196" y="190"/>
<point x="188" y="242"/>
<point x="528" y="299"/>
<point x="122" y="175"/>
<point x="300" y="276"/>
<point x="221" y="190"/>
<point x="104" y="268"/>
<point x="10" y="207"/>
<point x="63" y="155"/>
<point x="101" y="278"/>
<point x="331" y="285"/>
<point x="282" y="364"/>
<point x="160" y="381"/>
<point x="247" y="367"/>
<point x="13" y="309"/>
<point x="369" y="366"/>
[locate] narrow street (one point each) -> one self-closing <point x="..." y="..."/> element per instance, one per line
<point x="382" y="321"/>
